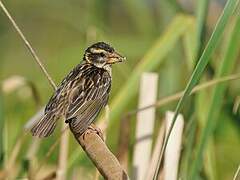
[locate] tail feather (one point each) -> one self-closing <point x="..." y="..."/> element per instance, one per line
<point x="45" y="126"/>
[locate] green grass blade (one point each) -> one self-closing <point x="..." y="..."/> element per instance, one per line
<point x="203" y="61"/>
<point x="190" y="44"/>
<point x="226" y="67"/>
<point x="193" y="38"/>
<point x="202" y="11"/>
<point x="201" y="14"/>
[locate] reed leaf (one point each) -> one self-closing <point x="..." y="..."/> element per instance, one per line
<point x="201" y="13"/>
<point x="202" y="63"/>
<point x="226" y="67"/>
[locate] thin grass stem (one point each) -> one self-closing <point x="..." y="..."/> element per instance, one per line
<point x="28" y="45"/>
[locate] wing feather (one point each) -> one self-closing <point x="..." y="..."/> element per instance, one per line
<point x="86" y="116"/>
<point x="83" y="111"/>
<point x="45" y="126"/>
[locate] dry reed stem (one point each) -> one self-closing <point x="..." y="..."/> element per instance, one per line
<point x="100" y="155"/>
<point x="144" y="125"/>
<point x="237" y="174"/>
<point x="50" y="151"/>
<point x="236" y="105"/>
<point x="28" y="45"/>
<point x="50" y="176"/>
<point x="104" y="130"/>
<point x="156" y="152"/>
<point x="178" y="95"/>
<point x="9" y="85"/>
<point x="173" y="151"/>
<point x="14" y="154"/>
<point x="64" y="140"/>
<point x="31" y="156"/>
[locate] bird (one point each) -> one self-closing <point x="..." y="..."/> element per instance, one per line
<point x="82" y="93"/>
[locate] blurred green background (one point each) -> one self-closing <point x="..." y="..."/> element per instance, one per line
<point x="166" y="37"/>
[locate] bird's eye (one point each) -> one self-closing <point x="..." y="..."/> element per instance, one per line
<point x="102" y="54"/>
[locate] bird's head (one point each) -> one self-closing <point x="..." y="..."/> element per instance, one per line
<point x="101" y="54"/>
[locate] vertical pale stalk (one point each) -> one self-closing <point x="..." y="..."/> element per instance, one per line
<point x="173" y="150"/>
<point x="156" y="152"/>
<point x="63" y="155"/>
<point x="14" y="154"/>
<point x="145" y="125"/>
<point x="31" y="156"/>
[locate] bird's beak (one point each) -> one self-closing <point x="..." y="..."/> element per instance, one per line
<point x="115" y="58"/>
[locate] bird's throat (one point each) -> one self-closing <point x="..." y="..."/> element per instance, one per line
<point x="108" y="68"/>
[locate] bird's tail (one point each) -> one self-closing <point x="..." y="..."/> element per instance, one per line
<point x="45" y="126"/>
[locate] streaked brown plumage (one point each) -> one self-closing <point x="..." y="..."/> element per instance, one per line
<point x="82" y="93"/>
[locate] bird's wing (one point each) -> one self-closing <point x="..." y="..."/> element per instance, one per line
<point x="86" y="103"/>
<point x="86" y="115"/>
<point x="61" y="94"/>
<point x="55" y="106"/>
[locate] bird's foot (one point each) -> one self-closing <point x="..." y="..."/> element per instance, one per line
<point x="93" y="129"/>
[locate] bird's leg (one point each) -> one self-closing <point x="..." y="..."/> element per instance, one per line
<point x="95" y="129"/>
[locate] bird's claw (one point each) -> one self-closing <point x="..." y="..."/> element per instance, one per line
<point x="93" y="129"/>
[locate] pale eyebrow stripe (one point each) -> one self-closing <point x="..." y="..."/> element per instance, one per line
<point x="97" y="50"/>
